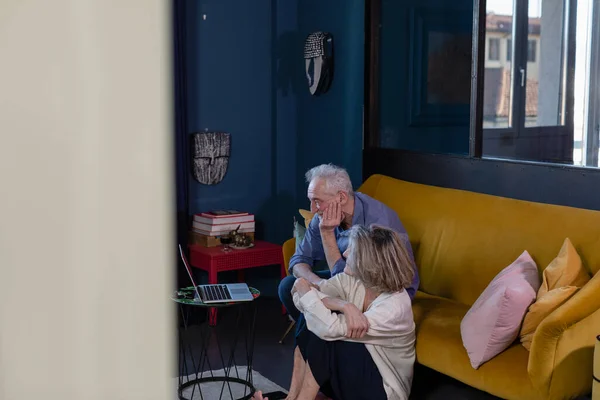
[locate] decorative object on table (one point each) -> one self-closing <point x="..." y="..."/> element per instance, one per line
<point x="241" y="240"/>
<point x="226" y="241"/>
<point x="318" y="52"/>
<point x="236" y="240"/>
<point x="210" y="156"/>
<point x="596" y="383"/>
<point x="208" y="228"/>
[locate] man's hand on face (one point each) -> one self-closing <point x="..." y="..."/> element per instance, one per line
<point x="331" y="217"/>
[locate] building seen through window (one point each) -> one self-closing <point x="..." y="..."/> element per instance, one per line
<point x="539" y="92"/>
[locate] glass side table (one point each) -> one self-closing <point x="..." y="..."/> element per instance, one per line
<point x="202" y="367"/>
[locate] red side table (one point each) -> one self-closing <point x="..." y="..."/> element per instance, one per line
<point x="214" y="260"/>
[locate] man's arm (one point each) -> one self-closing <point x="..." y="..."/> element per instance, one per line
<point x="332" y="252"/>
<point x="307" y="252"/>
<point x="303" y="270"/>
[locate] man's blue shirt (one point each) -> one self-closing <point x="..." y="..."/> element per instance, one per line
<point x="367" y="211"/>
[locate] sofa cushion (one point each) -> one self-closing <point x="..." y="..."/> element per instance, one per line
<point x="492" y="323"/>
<point x="307" y="215"/>
<point x="565" y="270"/>
<point x="439" y="347"/>
<point x="561" y="280"/>
<point x="543" y="307"/>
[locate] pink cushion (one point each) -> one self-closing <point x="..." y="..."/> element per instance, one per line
<point x="493" y="322"/>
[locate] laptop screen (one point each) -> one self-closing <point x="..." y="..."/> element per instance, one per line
<point x="189" y="270"/>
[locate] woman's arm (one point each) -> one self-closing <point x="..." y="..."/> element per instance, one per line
<point x="386" y="322"/>
<point x="319" y="319"/>
<point x="326" y="289"/>
<point x="335" y="286"/>
<point x="334" y="304"/>
<point x="357" y="323"/>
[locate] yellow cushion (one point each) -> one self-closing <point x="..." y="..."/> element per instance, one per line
<point x="565" y="270"/>
<point x="307" y="215"/>
<point x="439" y="346"/>
<point x="543" y="307"/>
<point x="561" y="279"/>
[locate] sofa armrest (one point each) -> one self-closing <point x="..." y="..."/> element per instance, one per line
<point x="288" y="248"/>
<point x="560" y="361"/>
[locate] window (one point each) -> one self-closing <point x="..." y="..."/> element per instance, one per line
<point x="531" y="48"/>
<point x="494" y="50"/>
<point x="528" y="103"/>
<point x="538" y="98"/>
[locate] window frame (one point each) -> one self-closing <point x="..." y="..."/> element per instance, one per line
<point x="371" y="108"/>
<point x="519" y="65"/>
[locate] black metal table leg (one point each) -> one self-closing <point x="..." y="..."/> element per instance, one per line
<point x="244" y="332"/>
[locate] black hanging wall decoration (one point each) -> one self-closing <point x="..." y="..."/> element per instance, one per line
<point x="318" y="53"/>
<point x="210" y="156"/>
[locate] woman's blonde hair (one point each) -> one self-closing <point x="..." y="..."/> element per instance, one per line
<point x="380" y="258"/>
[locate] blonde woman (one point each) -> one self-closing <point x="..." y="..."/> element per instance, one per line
<point x="360" y="336"/>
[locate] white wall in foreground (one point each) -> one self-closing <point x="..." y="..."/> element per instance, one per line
<point x="85" y="200"/>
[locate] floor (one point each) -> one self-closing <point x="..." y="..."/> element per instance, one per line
<point x="274" y="360"/>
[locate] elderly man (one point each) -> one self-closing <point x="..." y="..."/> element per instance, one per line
<point x="338" y="208"/>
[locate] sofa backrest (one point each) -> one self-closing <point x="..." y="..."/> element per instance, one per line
<point x="463" y="239"/>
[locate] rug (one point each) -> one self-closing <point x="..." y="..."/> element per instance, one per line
<point x="212" y="390"/>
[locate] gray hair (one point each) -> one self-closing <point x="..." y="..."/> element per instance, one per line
<point x="335" y="177"/>
<point x="380" y="258"/>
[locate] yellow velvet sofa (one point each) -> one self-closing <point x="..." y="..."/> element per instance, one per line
<point x="461" y="240"/>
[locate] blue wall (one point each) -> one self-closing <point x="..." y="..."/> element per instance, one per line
<point x="245" y="76"/>
<point x="330" y="126"/>
<point x="229" y="75"/>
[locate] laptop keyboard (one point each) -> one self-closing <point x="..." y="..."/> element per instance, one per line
<point x="214" y="293"/>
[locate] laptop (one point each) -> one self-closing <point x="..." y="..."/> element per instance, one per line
<point x="219" y="293"/>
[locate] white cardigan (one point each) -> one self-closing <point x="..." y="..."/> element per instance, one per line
<point x="391" y="336"/>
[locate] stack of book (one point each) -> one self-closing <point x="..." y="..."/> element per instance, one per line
<point x="208" y="227"/>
